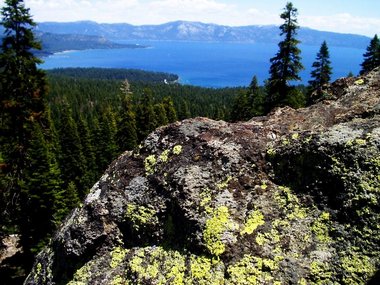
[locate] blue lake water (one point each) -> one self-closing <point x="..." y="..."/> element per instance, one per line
<point x="209" y="64"/>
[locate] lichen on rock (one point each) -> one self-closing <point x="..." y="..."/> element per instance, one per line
<point x="290" y="198"/>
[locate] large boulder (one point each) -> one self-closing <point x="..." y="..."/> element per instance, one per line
<point x="291" y="198"/>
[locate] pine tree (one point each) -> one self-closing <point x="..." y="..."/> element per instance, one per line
<point x="105" y="139"/>
<point x="184" y="110"/>
<point x="240" y="108"/>
<point x="126" y="135"/>
<point x="322" y="68"/>
<point x="71" y="160"/>
<point x="22" y="94"/>
<point x="145" y="116"/>
<point x="161" y="118"/>
<point x="256" y="99"/>
<point x="88" y="151"/>
<point x="30" y="175"/>
<point x="286" y="65"/>
<point x="372" y="56"/>
<point x="170" y="111"/>
<point x="40" y="193"/>
<point x="108" y="126"/>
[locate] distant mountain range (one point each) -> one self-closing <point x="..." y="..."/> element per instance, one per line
<point x="196" y="31"/>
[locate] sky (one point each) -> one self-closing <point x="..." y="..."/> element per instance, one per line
<point x="345" y="16"/>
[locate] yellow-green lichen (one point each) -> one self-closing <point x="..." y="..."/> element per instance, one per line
<point x="164" y="157"/>
<point x="359" y="82"/>
<point x="254" y="220"/>
<point x="261" y="239"/>
<point x="302" y="281"/>
<point x="252" y="270"/>
<point x="358" y="268"/>
<point x="297" y="212"/>
<point x="224" y="184"/>
<point x="82" y="275"/>
<point x="218" y="224"/>
<point x="38" y="269"/>
<point x="150" y="164"/>
<point x="271" y="152"/>
<point x="117" y="256"/>
<point x="285" y="142"/>
<point x="360" y="142"/>
<point x="140" y="216"/>
<point x="264" y="186"/>
<point x="320" y="228"/>
<point x="206" y="199"/>
<point x="272" y="237"/>
<point x="320" y="272"/>
<point x="206" y="271"/>
<point x="290" y="203"/>
<point x="295" y="136"/>
<point x="118" y="280"/>
<point x="155" y="265"/>
<point x="177" y="149"/>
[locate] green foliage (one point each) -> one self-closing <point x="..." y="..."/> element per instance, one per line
<point x="105" y="141"/>
<point x="30" y="177"/>
<point x="126" y="126"/>
<point x="286" y="65"/>
<point x="160" y="112"/>
<point x="133" y="75"/>
<point x="145" y="116"/>
<point x="372" y="56"/>
<point x="171" y="113"/>
<point x="248" y="104"/>
<point x="88" y="151"/>
<point x="322" y="71"/>
<point x="40" y="192"/>
<point x="71" y="159"/>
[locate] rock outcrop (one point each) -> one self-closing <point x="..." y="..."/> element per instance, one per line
<point x="291" y="198"/>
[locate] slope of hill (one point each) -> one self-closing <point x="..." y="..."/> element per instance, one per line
<point x="196" y="31"/>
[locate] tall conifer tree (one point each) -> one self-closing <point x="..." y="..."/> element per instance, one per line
<point x="256" y="98"/>
<point x="40" y="193"/>
<point x="126" y="131"/>
<point x="22" y="87"/>
<point x="72" y="161"/>
<point x="372" y="56"/>
<point x="88" y="151"/>
<point x="145" y="116"/>
<point x="321" y="68"/>
<point x="171" y="113"/>
<point x="286" y="65"/>
<point x="30" y="173"/>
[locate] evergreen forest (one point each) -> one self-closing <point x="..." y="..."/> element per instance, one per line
<point x="61" y="128"/>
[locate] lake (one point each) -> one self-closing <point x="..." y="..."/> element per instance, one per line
<point x="208" y="64"/>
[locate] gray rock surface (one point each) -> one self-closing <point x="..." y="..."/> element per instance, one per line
<point x="291" y="198"/>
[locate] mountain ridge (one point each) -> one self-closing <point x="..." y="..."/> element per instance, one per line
<point x="198" y="31"/>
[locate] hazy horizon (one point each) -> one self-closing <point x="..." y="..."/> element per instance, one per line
<point x="179" y="20"/>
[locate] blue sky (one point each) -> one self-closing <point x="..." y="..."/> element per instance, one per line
<point x="347" y="16"/>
